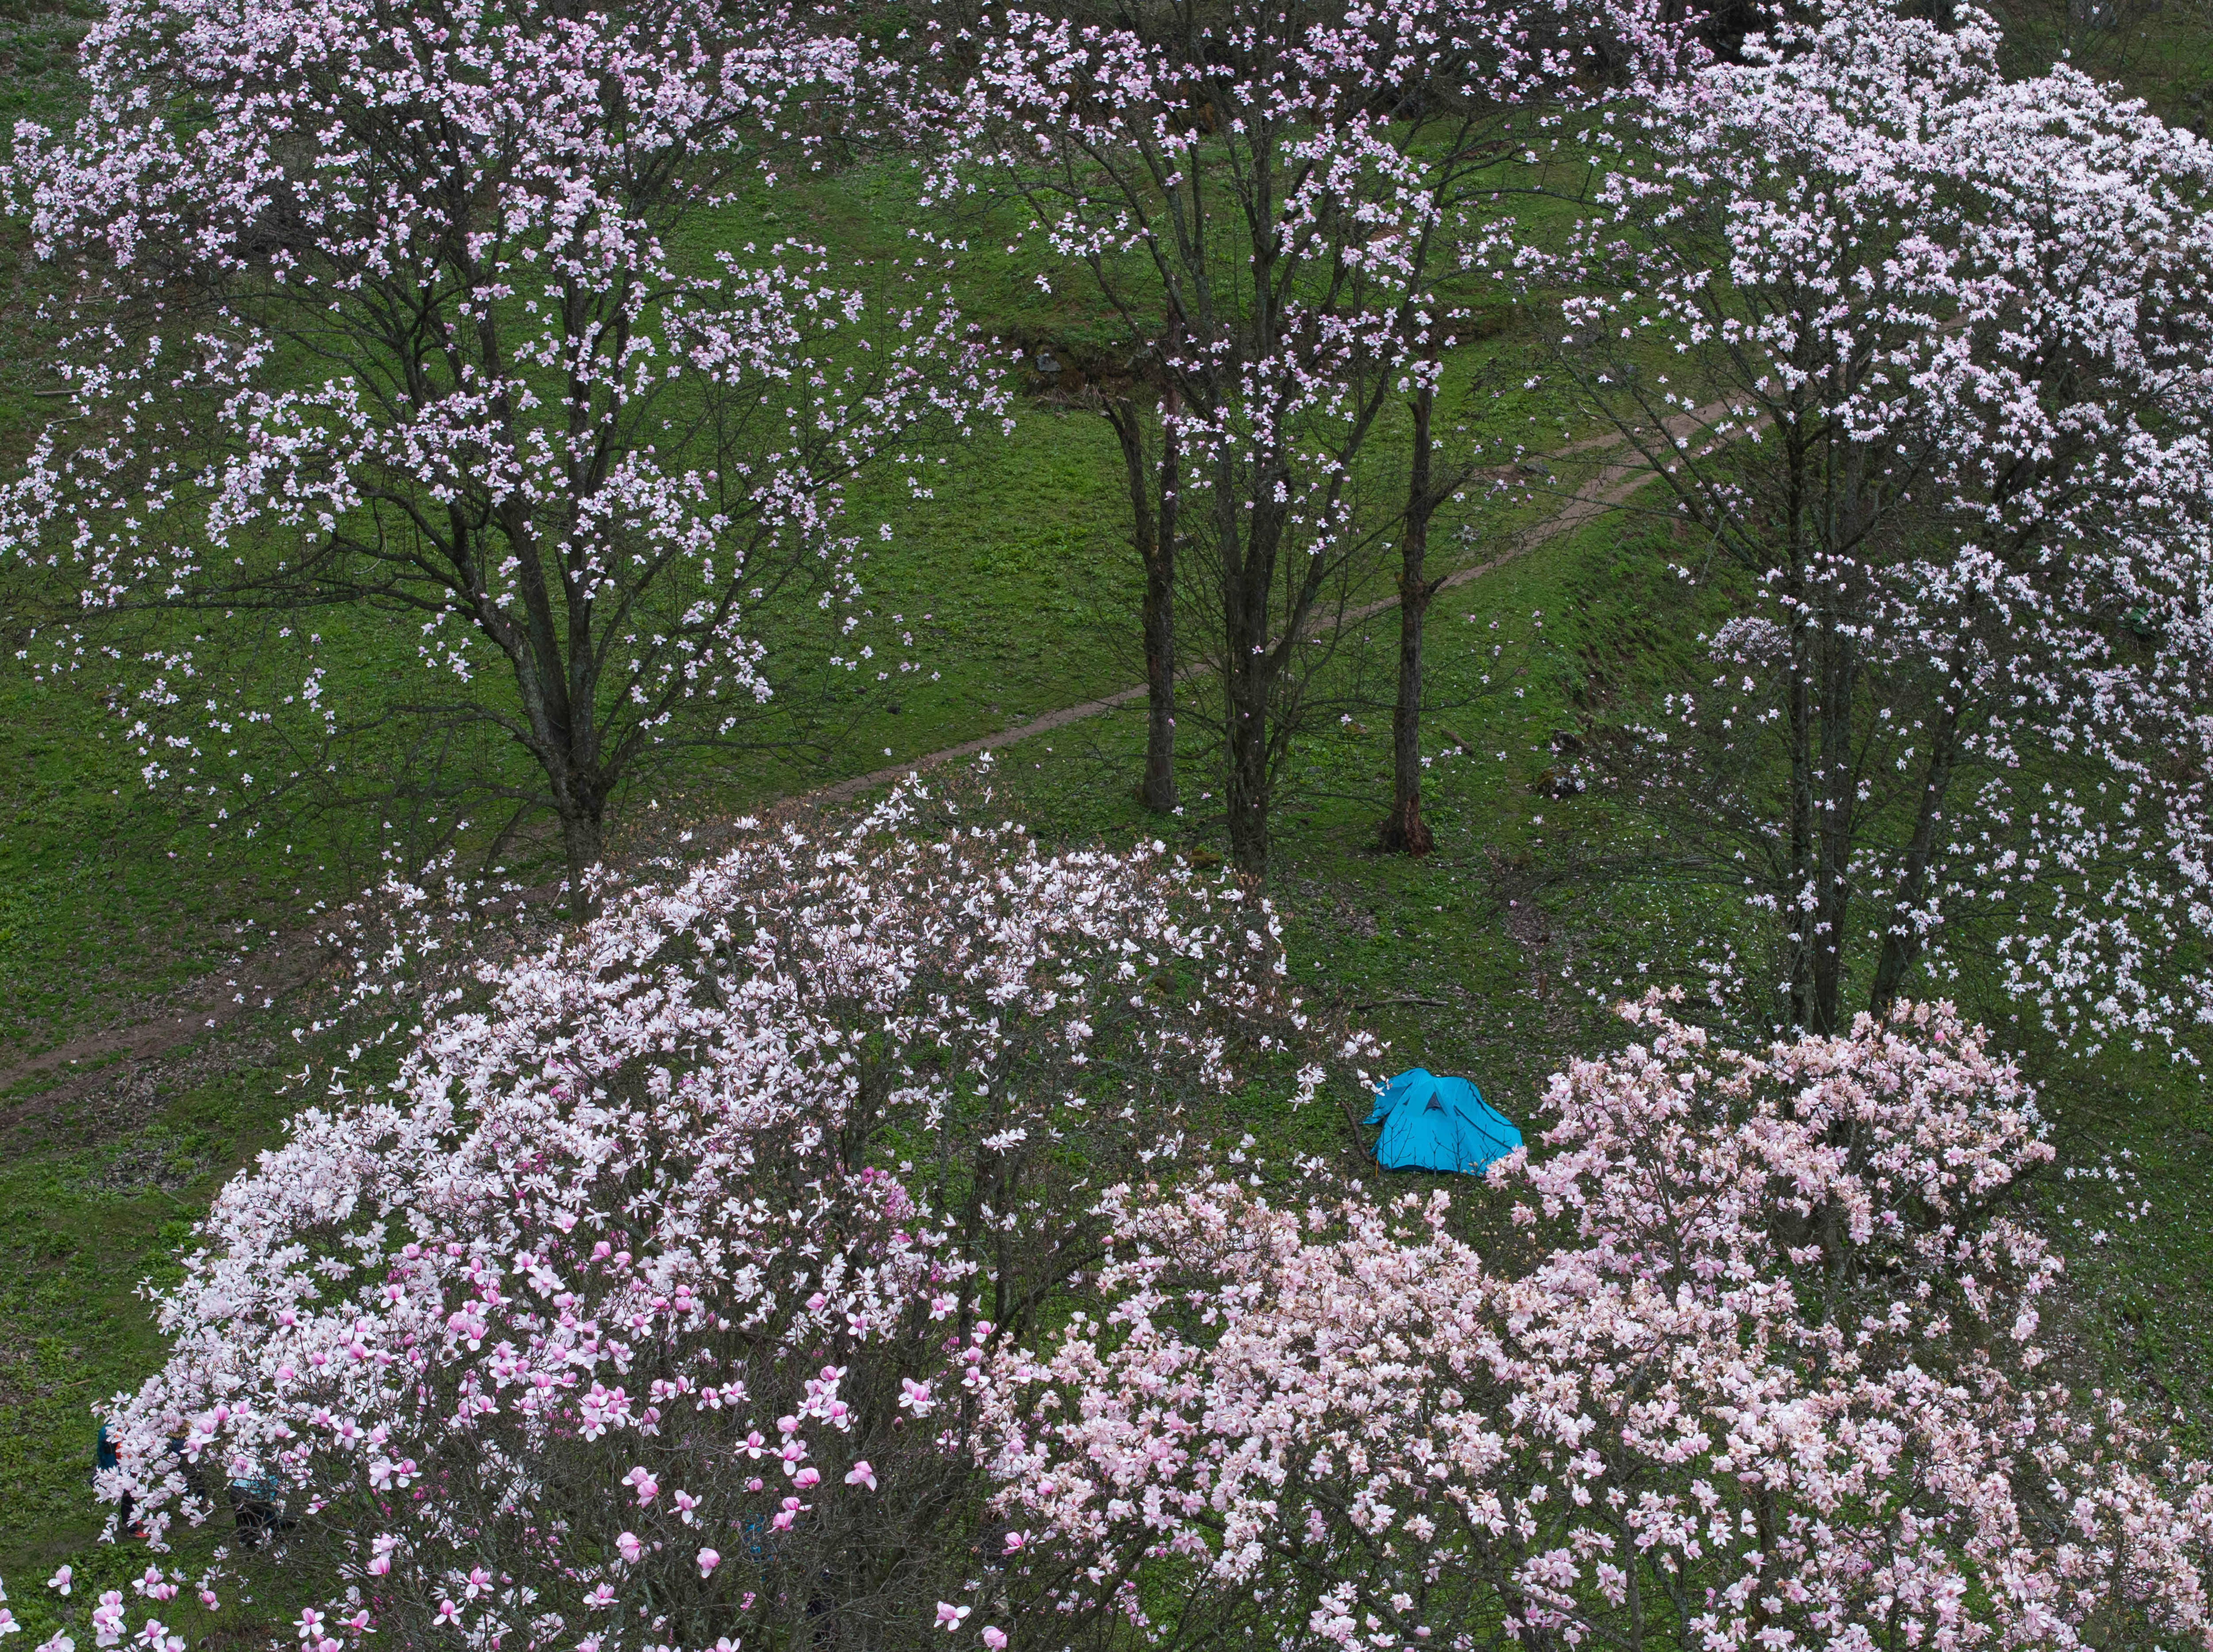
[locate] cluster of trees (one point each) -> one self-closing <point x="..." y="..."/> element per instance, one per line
<point x="1272" y="202"/>
<point x="848" y="1240"/>
<point x="379" y="306"/>
<point x="825" y="1249"/>
<point x="385" y="306"/>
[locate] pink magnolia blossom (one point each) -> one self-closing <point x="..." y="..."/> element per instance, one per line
<point x="1776" y="1380"/>
<point x="641" y="1210"/>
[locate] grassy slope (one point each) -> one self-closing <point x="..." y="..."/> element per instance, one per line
<point x="1483" y="958"/>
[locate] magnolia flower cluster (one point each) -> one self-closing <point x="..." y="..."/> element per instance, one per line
<point x="1779" y="1383"/>
<point x="802" y="1242"/>
<point x="647" y="1304"/>
<point x="1958" y="327"/>
<point x="395" y="308"/>
<point x="1265" y="198"/>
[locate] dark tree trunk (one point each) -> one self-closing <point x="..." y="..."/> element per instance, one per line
<point x="1158" y="789"/>
<point x="1247" y="781"/>
<point x="1248" y="566"/>
<point x="1796" y="913"/>
<point x="1849" y="512"/>
<point x="1836" y="823"/>
<point x="1832" y="891"/>
<point x="1154" y="533"/>
<point x="1404" y="831"/>
<point x="583" y="844"/>
<point x="1902" y="940"/>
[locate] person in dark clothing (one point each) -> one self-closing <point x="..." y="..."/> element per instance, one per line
<point x="104" y="1457"/>
<point x="257" y="1507"/>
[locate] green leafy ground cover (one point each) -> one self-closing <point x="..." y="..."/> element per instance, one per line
<point x="1494" y="956"/>
<point x="1491" y="957"/>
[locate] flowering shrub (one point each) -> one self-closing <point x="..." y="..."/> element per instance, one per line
<point x="795" y="1249"/>
<point x="1782" y="1383"/>
<point x="642" y="1306"/>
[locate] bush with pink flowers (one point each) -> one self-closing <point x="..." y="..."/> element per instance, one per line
<point x="646" y="1304"/>
<point x="1782" y="1381"/>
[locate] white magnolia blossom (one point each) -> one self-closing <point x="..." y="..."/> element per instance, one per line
<point x="1926" y="355"/>
<point x="407" y="308"/>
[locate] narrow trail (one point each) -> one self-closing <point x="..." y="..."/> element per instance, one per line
<point x="285" y="963"/>
<point x="1608" y="488"/>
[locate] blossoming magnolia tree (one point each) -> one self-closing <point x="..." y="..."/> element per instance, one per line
<point x="644" y="1306"/>
<point x="1782" y="1384"/>
<point x="1959" y="504"/>
<point x="402" y="309"/>
<point x="796" y="1250"/>
<point x="1265" y="197"/>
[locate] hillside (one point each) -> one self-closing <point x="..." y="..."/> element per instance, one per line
<point x="190" y="967"/>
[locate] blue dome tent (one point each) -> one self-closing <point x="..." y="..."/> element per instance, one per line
<point x="1439" y="1123"/>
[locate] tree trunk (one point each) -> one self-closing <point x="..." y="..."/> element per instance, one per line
<point x="1847" y="514"/>
<point x="1160" y="628"/>
<point x="1247" y="780"/>
<point x="1839" y="808"/>
<point x="1797" y="914"/>
<point x="1404" y="831"/>
<point x="1248" y="553"/>
<point x="1902" y="939"/>
<point x="583" y="844"/>
<point x="1155" y="533"/>
<point x="1158" y="789"/>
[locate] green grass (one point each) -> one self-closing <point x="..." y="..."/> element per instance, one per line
<point x="1495" y="956"/>
<point x="2161" y="52"/>
<point x="1428" y="952"/>
<point x="1014" y="577"/>
<point x="93" y="1201"/>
